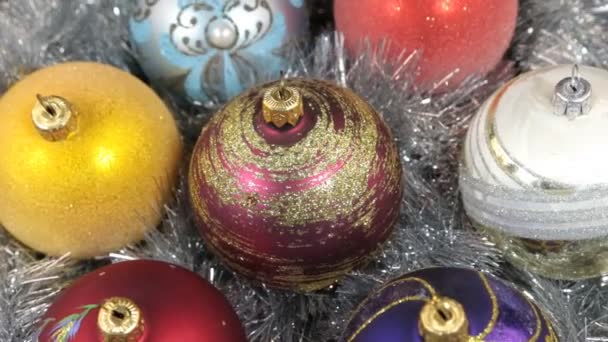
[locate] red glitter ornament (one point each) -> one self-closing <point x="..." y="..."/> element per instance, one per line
<point x="143" y="301"/>
<point x="295" y="184"/>
<point x="470" y="36"/>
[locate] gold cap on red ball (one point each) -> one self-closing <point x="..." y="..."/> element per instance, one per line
<point x="444" y="320"/>
<point x="282" y="105"/>
<point x="54" y="117"/>
<point x="120" y="320"/>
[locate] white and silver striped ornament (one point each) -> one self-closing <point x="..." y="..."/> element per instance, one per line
<point x="534" y="162"/>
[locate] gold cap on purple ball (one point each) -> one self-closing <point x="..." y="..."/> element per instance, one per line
<point x="444" y="320"/>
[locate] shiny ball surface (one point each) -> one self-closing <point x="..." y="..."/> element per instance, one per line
<point x="212" y="50"/>
<point x="517" y="141"/>
<point x="531" y="176"/>
<point x="104" y="185"/>
<point x="299" y="206"/>
<point x="495" y="311"/>
<point x="176" y="305"/>
<point x="468" y="35"/>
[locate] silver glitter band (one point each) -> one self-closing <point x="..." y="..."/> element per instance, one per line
<point x="535" y="214"/>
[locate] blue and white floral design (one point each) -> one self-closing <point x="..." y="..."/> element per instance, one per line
<point x="220" y="46"/>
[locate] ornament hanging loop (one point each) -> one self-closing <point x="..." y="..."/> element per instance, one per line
<point x="54" y="117"/>
<point x="575" y="79"/>
<point x="572" y="97"/>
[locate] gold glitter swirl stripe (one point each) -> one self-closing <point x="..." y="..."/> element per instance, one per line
<point x="539" y="327"/>
<point x="382" y="311"/>
<point x="238" y="137"/>
<point x="507" y="163"/>
<point x="495" y="311"/>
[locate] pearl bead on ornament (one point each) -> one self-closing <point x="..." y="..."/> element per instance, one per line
<point x="210" y="51"/>
<point x="222" y="33"/>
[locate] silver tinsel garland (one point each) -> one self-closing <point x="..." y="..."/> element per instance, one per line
<point x="432" y="229"/>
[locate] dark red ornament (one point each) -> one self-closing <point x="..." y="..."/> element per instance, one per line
<point x="470" y="36"/>
<point x="142" y="301"/>
<point x="295" y="184"/>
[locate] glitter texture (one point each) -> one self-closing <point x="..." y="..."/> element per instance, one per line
<point x="103" y="186"/>
<point x="431" y="229"/>
<point x="455" y="38"/>
<point x="296" y="207"/>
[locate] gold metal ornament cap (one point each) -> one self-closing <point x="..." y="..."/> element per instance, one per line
<point x="443" y="320"/>
<point x="54" y="117"/>
<point x="120" y="320"/>
<point x="282" y="105"/>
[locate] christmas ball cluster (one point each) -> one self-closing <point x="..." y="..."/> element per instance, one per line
<point x="294" y="183"/>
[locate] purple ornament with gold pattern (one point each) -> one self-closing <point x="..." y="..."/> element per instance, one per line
<point x="448" y="304"/>
<point x="295" y="183"/>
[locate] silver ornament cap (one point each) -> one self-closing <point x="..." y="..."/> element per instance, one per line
<point x="572" y="97"/>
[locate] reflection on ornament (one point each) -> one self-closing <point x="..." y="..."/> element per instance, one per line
<point x="214" y="49"/>
<point x="295" y="184"/>
<point x="531" y="176"/>
<point x="544" y="247"/>
<point x="448" y="304"/>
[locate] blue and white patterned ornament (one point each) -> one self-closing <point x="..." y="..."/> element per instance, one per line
<point x="214" y="49"/>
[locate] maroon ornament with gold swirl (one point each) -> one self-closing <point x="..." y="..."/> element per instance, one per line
<point x="295" y="194"/>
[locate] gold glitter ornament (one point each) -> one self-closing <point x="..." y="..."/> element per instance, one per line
<point x="295" y="183"/>
<point x="88" y="157"/>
